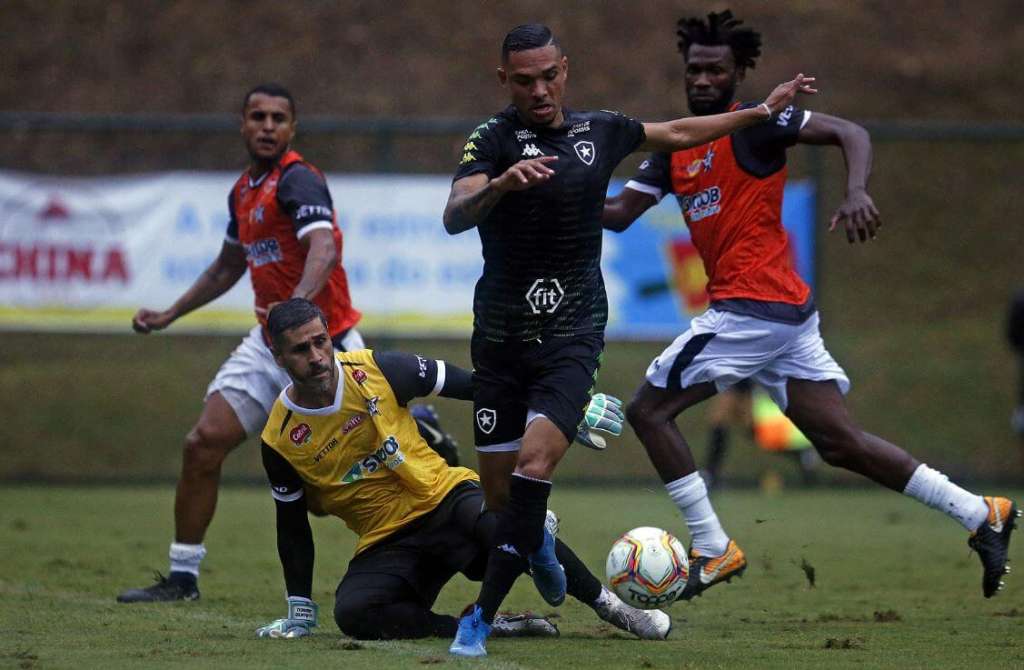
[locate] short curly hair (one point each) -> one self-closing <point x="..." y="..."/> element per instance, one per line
<point x="721" y="28"/>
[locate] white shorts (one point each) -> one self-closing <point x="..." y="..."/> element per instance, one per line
<point x="724" y="348"/>
<point x="250" y="380"/>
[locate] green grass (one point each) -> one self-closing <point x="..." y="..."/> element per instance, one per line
<point x="895" y="586"/>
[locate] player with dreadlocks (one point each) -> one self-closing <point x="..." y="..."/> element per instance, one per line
<point x="762" y="323"/>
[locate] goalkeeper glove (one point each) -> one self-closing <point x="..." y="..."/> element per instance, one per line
<point x="604" y="413"/>
<point x="302" y="616"/>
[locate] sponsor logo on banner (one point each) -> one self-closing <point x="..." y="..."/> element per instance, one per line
<point x="52" y="238"/>
<point x="545" y="295"/>
<point x="486" y="420"/>
<point x="301" y="434"/>
<point x="586" y="151"/>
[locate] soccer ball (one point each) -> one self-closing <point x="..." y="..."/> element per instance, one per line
<point x="647" y="567"/>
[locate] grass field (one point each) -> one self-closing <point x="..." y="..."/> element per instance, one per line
<point x="895" y="586"/>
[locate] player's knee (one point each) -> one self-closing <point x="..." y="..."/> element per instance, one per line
<point x="642" y="416"/>
<point x="205" y="449"/>
<point x="350" y="618"/>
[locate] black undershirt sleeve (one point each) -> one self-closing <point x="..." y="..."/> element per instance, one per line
<point x="411" y="376"/>
<point x="303" y="194"/>
<point x="294" y="536"/>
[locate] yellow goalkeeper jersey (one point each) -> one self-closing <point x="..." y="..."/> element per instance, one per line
<point x="362" y="458"/>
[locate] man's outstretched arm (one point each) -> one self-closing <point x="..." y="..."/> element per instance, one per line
<point x="620" y="211"/>
<point x="693" y="131"/>
<point x="857" y="213"/>
<point x="472" y="198"/>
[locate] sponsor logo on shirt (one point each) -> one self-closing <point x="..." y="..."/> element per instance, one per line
<point x="352" y="423"/>
<point x="531" y="150"/>
<point x="311" y="211"/>
<point x="784" y="117"/>
<point x="586" y="151"/>
<point x="578" y="128"/>
<point x="545" y="295"/>
<point x="256" y="215"/>
<point x="326" y="449"/>
<point x="359" y="376"/>
<point x="701" y="205"/>
<point x="301" y="434"/>
<point x="523" y="135"/>
<point x="423" y="366"/>
<point x="694" y="168"/>
<point x="388" y="455"/>
<point x="263" y="251"/>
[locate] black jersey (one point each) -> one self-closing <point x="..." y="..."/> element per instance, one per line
<point x="542" y="246"/>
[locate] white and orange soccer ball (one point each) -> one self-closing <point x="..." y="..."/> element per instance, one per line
<point x="647" y="567"/>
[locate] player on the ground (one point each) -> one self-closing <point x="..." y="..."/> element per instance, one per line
<point x="283" y="229"/>
<point x="341" y="440"/>
<point x="533" y="179"/>
<point x="762" y="323"/>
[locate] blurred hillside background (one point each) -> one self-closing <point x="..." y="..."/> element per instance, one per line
<point x="916" y="317"/>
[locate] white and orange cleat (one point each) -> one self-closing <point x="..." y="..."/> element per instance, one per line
<point x="706" y="571"/>
<point x="992" y="542"/>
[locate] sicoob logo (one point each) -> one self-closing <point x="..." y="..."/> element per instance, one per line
<point x="701" y="205"/>
<point x="301" y="434"/>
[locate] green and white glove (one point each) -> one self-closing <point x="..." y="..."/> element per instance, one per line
<point x="302" y="616"/>
<point x="604" y="413"/>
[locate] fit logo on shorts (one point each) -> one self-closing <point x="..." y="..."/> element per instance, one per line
<point x="701" y="205"/>
<point x="388" y="455"/>
<point x="545" y="295"/>
<point x="263" y="251"/>
<point x="486" y="420"/>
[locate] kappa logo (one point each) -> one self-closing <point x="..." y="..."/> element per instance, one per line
<point x="531" y="150"/>
<point x="545" y="295"/>
<point x="301" y="434"/>
<point x="586" y="151"/>
<point x="486" y="420"/>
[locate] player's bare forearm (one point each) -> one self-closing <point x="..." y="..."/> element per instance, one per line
<point x="691" y="132"/>
<point x="620" y="211"/>
<point x="857" y="213"/>
<point x="215" y="281"/>
<point x="469" y="204"/>
<point x="321" y="259"/>
<point x="295" y="547"/>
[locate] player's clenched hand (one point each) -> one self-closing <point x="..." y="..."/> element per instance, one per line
<point x="604" y="413"/>
<point x="146" y="321"/>
<point x="783" y="94"/>
<point x="302" y="616"/>
<point x="859" y="216"/>
<point x="524" y="174"/>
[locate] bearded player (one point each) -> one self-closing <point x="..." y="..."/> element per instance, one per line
<point x="762" y="323"/>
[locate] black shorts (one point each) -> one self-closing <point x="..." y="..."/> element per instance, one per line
<point x="419" y="559"/>
<point x="554" y="377"/>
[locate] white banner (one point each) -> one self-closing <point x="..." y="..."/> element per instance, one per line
<point x="87" y="252"/>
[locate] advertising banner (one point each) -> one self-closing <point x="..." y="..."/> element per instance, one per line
<point x="85" y="253"/>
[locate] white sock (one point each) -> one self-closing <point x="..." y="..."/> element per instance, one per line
<point x="186" y="557"/>
<point x="690" y="495"/>
<point x="935" y="490"/>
